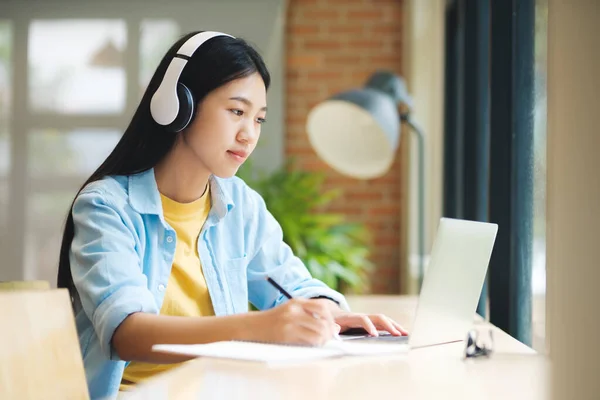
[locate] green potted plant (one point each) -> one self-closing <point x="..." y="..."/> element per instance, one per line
<point x="333" y="249"/>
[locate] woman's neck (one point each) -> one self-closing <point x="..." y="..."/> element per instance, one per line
<point x="179" y="175"/>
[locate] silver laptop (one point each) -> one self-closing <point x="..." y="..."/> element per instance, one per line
<point x="451" y="286"/>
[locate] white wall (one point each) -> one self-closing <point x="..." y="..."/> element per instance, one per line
<point x="423" y="69"/>
<point x="573" y="193"/>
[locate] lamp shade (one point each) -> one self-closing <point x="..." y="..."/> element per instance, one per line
<point x="357" y="132"/>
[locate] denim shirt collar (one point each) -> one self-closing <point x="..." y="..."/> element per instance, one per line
<point x="145" y="198"/>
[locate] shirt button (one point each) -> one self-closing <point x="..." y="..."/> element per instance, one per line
<point x="161" y="288"/>
<point x="169" y="239"/>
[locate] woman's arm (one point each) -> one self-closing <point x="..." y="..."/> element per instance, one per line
<point x="105" y="266"/>
<point x="134" y="338"/>
<point x="293" y="322"/>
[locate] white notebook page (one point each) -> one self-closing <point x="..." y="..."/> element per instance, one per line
<point x="276" y="353"/>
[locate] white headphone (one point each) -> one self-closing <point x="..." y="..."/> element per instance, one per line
<point x="172" y="105"/>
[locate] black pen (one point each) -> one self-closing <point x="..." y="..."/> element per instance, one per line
<point x="282" y="290"/>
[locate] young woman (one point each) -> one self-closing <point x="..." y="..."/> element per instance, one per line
<point x="163" y="244"/>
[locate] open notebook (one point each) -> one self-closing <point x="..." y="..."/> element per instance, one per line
<point x="277" y="353"/>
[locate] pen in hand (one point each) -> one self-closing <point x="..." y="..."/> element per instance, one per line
<point x="282" y="290"/>
<point x="289" y="297"/>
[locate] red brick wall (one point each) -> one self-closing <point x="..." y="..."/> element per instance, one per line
<point x="334" y="45"/>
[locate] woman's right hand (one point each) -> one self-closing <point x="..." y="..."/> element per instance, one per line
<point x="297" y="321"/>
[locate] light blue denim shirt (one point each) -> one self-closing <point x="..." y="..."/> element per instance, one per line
<point x="123" y="249"/>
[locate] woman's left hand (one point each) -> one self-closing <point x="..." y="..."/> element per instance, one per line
<point x="369" y="322"/>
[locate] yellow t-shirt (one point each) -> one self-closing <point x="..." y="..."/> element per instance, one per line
<point x="187" y="294"/>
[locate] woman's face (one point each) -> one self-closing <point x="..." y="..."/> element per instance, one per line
<point x="227" y="125"/>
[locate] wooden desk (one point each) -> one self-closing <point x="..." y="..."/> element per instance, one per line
<point x="514" y="372"/>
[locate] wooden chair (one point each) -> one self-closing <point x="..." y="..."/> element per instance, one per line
<point x="24" y="285"/>
<point x="39" y="348"/>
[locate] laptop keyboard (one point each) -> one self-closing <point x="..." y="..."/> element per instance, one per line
<point x="384" y="337"/>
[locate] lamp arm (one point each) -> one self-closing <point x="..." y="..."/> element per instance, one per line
<point x="421" y="191"/>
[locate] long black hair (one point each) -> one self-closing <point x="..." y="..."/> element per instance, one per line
<point x="145" y="143"/>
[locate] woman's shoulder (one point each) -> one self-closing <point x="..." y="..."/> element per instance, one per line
<point x="111" y="189"/>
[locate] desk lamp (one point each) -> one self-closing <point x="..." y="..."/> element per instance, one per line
<point x="357" y="133"/>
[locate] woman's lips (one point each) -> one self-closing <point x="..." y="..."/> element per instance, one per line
<point x="239" y="156"/>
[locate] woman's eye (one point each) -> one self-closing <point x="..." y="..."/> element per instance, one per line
<point x="261" y="120"/>
<point x="237" y="112"/>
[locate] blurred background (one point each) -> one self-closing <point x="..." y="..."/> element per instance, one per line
<point x="72" y="72"/>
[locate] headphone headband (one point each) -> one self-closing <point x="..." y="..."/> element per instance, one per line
<point x="164" y="105"/>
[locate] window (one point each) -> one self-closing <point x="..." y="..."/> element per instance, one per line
<point x="77" y="153"/>
<point x="77" y="96"/>
<point x="156" y="36"/>
<point x="45" y="216"/>
<point x="84" y="74"/>
<point x="5" y="113"/>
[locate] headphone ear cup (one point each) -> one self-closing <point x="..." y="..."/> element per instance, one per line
<point x="187" y="108"/>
